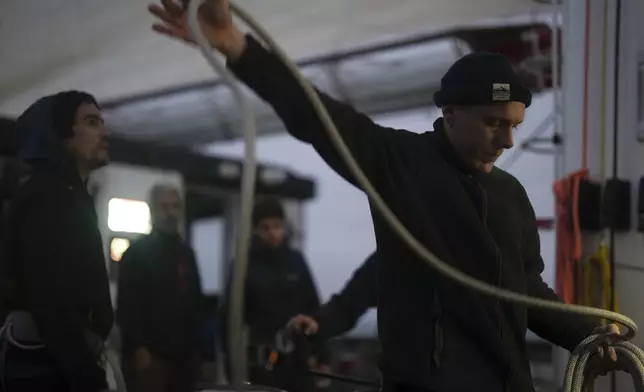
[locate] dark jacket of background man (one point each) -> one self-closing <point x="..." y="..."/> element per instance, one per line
<point x="56" y="254"/>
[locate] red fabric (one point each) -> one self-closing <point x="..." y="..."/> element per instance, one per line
<point x="568" y="232"/>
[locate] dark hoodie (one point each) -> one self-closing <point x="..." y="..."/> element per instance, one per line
<point x="435" y="334"/>
<point x="278" y="286"/>
<point x="57" y="252"/>
<point x="343" y="310"/>
<point x="158" y="307"/>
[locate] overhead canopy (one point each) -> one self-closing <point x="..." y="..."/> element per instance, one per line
<point x="201" y="172"/>
<point x="380" y="79"/>
<point x="107" y="48"/>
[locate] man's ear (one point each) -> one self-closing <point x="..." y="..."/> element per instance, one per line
<point x="448" y="115"/>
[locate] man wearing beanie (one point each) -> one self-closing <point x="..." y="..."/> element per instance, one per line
<point x="436" y="335"/>
<point x="60" y="302"/>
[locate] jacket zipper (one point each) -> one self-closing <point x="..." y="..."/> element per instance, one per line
<point x="497" y="304"/>
<point x="499" y="267"/>
<point x="499" y="261"/>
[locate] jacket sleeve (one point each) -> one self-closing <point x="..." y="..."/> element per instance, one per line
<point x="197" y="289"/>
<point x="564" y="330"/>
<point x="197" y="282"/>
<point x="130" y="310"/>
<point x="264" y="73"/>
<point x="343" y="311"/>
<point x="48" y="234"/>
<point x="310" y="292"/>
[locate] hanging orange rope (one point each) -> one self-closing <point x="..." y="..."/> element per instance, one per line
<point x="568" y="237"/>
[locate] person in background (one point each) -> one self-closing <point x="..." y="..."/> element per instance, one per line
<point x="278" y="286"/>
<point x="341" y="313"/>
<point x="59" y="301"/>
<point x="160" y="303"/>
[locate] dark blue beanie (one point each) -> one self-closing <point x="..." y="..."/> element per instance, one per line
<point x="481" y="79"/>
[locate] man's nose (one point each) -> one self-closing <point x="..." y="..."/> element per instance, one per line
<point x="505" y="138"/>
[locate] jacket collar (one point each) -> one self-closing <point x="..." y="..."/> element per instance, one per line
<point x="64" y="170"/>
<point x="449" y="152"/>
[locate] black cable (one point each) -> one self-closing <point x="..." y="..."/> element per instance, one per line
<point x="618" y="23"/>
<point x="346" y="379"/>
<point x="628" y="267"/>
<point x="303" y="349"/>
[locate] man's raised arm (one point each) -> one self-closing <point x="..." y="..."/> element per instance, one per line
<point x="264" y="73"/>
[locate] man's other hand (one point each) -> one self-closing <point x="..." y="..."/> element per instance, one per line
<point x="303" y="324"/>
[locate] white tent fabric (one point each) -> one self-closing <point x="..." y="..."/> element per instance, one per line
<point x="107" y="47"/>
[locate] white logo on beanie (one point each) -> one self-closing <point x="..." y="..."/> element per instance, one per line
<point x="500" y="91"/>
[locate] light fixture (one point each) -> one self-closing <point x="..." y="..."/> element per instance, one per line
<point x="128" y="216"/>
<point x="118" y="246"/>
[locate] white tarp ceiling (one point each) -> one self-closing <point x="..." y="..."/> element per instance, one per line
<point x="107" y="47"/>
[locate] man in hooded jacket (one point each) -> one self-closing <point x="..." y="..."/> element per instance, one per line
<point x="278" y="286"/>
<point x="62" y="312"/>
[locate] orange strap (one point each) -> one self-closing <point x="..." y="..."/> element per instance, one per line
<point x="569" y="239"/>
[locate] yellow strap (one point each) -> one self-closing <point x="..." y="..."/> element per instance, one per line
<point x="598" y="264"/>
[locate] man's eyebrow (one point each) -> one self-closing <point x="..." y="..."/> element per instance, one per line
<point x="504" y="119"/>
<point x="93" y="116"/>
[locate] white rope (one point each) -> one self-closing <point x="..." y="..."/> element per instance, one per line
<point x="575" y="378"/>
<point x="112" y="361"/>
<point x="249" y="174"/>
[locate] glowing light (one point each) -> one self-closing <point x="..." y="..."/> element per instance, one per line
<point x="128" y="216"/>
<point x="118" y="246"/>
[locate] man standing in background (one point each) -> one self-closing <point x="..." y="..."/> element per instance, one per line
<point x="159" y="303"/>
<point x="278" y="286"/>
<point x="56" y="290"/>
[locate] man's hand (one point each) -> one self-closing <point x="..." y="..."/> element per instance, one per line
<point x="142" y="359"/>
<point x="215" y="20"/>
<point x="303" y="324"/>
<point x="610" y="330"/>
<point x="607" y="359"/>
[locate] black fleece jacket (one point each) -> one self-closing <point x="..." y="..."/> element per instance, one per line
<point x="434" y="333"/>
<point x="278" y="286"/>
<point x="56" y="255"/>
<point x="157" y="308"/>
<point x="61" y="277"/>
<point x="343" y="310"/>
